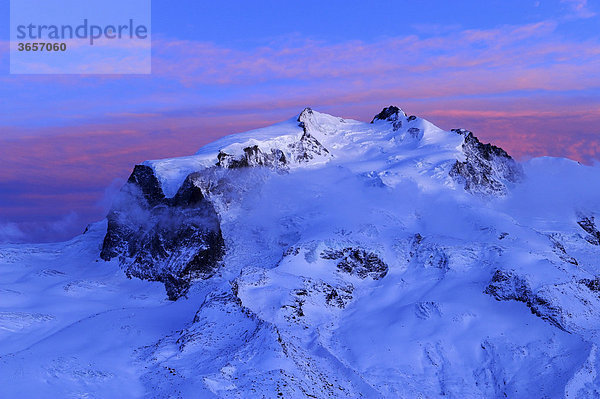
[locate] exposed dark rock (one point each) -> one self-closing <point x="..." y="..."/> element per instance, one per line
<point x="358" y="262"/>
<point x="294" y="311"/>
<point x="307" y="148"/>
<point x="387" y="114"/>
<point x="333" y="299"/>
<point x="172" y="240"/>
<point x="253" y="156"/>
<point x="339" y="297"/>
<point x="335" y="296"/>
<point x="415" y="132"/>
<point x="592" y="284"/>
<point x="391" y="114"/>
<point x="417" y="238"/>
<point x="589" y="226"/>
<point x="486" y="169"/>
<point x="304" y="115"/>
<point x="143" y="177"/>
<point x="461" y="131"/>
<point x="507" y="286"/>
<point x="292" y="251"/>
<point x="560" y="250"/>
<point x="304" y="150"/>
<point x="309" y="122"/>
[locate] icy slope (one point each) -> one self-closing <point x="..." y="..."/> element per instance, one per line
<point x="320" y="257"/>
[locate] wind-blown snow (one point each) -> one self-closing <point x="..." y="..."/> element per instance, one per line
<point x="365" y="272"/>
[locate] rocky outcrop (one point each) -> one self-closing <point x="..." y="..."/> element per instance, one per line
<point x="592" y="284"/>
<point x="305" y="149"/>
<point x="508" y="286"/>
<point x="391" y="114"/>
<point x="337" y="297"/>
<point x="486" y="168"/>
<point x="589" y="226"/>
<point x="357" y="262"/>
<point x="252" y="156"/>
<point x="172" y="240"/>
<point x="308" y="147"/>
<point x="415" y="133"/>
<point x="560" y="250"/>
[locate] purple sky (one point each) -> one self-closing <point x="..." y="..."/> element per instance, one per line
<point x="521" y="74"/>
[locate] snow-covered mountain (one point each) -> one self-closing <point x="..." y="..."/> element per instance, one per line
<point x="319" y="257"/>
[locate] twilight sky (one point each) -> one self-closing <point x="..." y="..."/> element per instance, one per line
<point x="523" y="74"/>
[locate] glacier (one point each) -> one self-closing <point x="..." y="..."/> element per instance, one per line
<point x="319" y="257"/>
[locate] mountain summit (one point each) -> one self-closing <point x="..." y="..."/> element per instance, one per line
<point x="320" y="257"/>
<point x="385" y="152"/>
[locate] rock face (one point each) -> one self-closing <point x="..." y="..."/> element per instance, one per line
<point x="302" y="150"/>
<point x="507" y="286"/>
<point x="252" y="157"/>
<point x="572" y="305"/>
<point x="308" y="147"/>
<point x="487" y="168"/>
<point x="391" y="114"/>
<point x="588" y="225"/>
<point x="592" y="284"/>
<point x="172" y="240"/>
<point x="358" y="262"/>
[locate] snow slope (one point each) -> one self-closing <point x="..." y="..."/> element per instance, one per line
<point x="384" y="259"/>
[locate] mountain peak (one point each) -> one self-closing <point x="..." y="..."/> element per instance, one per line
<point x="306" y="113"/>
<point x="391" y="114"/>
<point x="288" y="240"/>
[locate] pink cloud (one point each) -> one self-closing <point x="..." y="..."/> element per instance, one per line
<point x="502" y="59"/>
<point x="579" y="8"/>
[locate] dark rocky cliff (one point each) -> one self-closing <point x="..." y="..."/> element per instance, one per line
<point x="172" y="240"/>
<point x="486" y="168"/>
